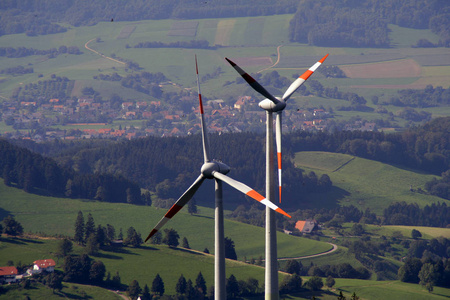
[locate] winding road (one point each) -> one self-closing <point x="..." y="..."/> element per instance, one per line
<point x="102" y="55"/>
<point x="335" y="247"/>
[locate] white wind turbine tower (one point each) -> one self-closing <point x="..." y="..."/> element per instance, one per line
<point x="273" y="105"/>
<point x="212" y="169"/>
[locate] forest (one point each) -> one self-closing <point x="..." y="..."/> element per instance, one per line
<point x="348" y="23"/>
<point x="364" y="23"/>
<point x="34" y="173"/>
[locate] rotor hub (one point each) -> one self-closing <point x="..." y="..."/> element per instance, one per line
<point x="209" y="168"/>
<point x="270" y="106"/>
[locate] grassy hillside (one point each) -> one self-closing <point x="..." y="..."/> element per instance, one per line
<point x="141" y="264"/>
<point x="364" y="183"/>
<point x="56" y="216"/>
<point x="69" y="291"/>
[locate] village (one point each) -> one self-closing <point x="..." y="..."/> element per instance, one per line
<point x="48" y="119"/>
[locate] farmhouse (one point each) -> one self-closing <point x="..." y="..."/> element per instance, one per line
<point x="306" y="226"/>
<point x="8" y="274"/>
<point x="47" y="265"/>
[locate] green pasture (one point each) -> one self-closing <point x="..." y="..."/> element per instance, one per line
<point x="56" y="216"/>
<point x="364" y="183"/>
<point x="427" y="232"/>
<point x="402" y="37"/>
<point x="141" y="264"/>
<point x="69" y="291"/>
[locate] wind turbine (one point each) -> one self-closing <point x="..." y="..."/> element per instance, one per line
<point x="273" y="105"/>
<point x="213" y="169"/>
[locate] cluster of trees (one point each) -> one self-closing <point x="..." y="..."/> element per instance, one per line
<point x="401" y="213"/>
<point x="428" y="263"/>
<point x="427" y="97"/>
<point x="40" y="92"/>
<point x="32" y="172"/>
<point x="441" y="187"/>
<point x="11" y="226"/>
<point x="11" y="52"/>
<point x="19" y="70"/>
<point x="331" y="71"/>
<point x="145" y="82"/>
<point x="364" y="23"/>
<point x="337" y="24"/>
<point x="194" y="44"/>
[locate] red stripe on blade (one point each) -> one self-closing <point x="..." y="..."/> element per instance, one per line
<point x="248" y="78"/>
<point x="306" y="74"/>
<point x="323" y="59"/>
<point x="173" y="210"/>
<point x="279" y="210"/>
<point x="255" y="195"/>
<point x="201" y="103"/>
<point x="279" y="159"/>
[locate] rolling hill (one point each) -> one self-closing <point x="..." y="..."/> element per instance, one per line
<point x="365" y="183"/>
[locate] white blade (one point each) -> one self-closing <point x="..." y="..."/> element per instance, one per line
<point x="202" y="118"/>
<point x="278" y="130"/>
<point x="299" y="81"/>
<point x="249" y="192"/>
<point x="177" y="206"/>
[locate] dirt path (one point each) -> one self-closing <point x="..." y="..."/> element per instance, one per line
<point x="335" y="247"/>
<point x="102" y="55"/>
<point x="276" y="63"/>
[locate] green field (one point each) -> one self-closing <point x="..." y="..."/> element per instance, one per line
<point x="141" y="264"/>
<point x="56" y="216"/>
<point x="244" y="37"/>
<point x="69" y="291"/>
<point x="364" y="183"/>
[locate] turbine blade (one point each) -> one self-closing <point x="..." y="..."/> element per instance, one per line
<point x="253" y="83"/>
<point x="177" y="206"/>
<point x="249" y="192"/>
<point x="202" y="118"/>
<point x="299" y="81"/>
<point x="278" y="131"/>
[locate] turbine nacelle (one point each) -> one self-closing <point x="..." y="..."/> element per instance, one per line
<point x="270" y="106"/>
<point x="208" y="169"/>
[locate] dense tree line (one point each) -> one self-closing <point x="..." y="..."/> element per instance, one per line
<point x="427" y="97"/>
<point x="169" y="165"/>
<point x="364" y="23"/>
<point x="34" y="173"/>
<point x="194" y="44"/>
<point x="19" y="70"/>
<point x="11" y="52"/>
<point x="401" y="213"/>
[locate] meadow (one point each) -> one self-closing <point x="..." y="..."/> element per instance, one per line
<point x="56" y="216"/>
<point x="365" y="183"/>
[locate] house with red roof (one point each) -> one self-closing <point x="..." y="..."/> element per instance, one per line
<point x="47" y="265"/>
<point x="8" y="274"/>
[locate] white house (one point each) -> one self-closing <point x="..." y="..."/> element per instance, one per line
<point x="47" y="265"/>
